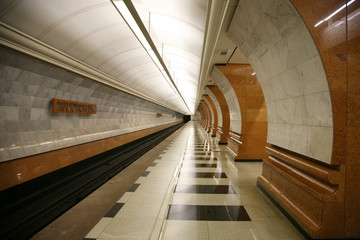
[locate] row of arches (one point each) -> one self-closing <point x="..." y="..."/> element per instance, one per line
<point x="245" y="130"/>
<point x="295" y="107"/>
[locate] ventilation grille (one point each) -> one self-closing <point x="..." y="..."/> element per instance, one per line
<point x="224" y="52"/>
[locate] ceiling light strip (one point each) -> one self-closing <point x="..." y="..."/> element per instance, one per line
<point x="215" y="18"/>
<point x="133" y="20"/>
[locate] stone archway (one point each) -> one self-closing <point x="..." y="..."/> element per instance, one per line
<point x="306" y="88"/>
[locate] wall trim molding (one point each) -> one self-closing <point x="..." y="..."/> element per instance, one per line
<point x="24" y="169"/>
<point x="311" y="193"/>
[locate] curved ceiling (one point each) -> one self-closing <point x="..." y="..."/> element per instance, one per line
<point x="177" y="28"/>
<point x="94" y="33"/>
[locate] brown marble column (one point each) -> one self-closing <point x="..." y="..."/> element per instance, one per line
<point x="338" y="42"/>
<point x="206" y="116"/>
<point x="210" y="125"/>
<point x="202" y="116"/>
<point x="225" y="113"/>
<point x="253" y="112"/>
<point x="198" y="116"/>
<point x="212" y="105"/>
<point x="310" y="78"/>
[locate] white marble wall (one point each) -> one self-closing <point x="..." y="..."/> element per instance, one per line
<point x="281" y="50"/>
<point x="211" y="110"/>
<point x="217" y="106"/>
<point x="29" y="127"/>
<point x="234" y="109"/>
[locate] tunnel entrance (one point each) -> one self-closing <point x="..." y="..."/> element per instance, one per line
<point x="187" y="118"/>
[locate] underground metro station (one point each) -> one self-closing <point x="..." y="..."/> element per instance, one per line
<point x="180" y="119"/>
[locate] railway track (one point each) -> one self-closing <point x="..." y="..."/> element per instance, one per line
<point x="27" y="208"/>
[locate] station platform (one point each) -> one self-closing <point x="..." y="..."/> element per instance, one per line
<point x="184" y="188"/>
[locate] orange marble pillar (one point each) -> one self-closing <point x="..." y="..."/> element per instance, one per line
<point x="201" y="121"/>
<point x="206" y="117"/>
<point x="225" y="113"/>
<point x="338" y="41"/>
<point x="212" y="105"/>
<point x="253" y="112"/>
<point x="205" y="114"/>
<point x="325" y="198"/>
<point x="207" y="107"/>
<point x="198" y="116"/>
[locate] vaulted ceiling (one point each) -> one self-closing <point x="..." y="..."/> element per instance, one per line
<point x="189" y="35"/>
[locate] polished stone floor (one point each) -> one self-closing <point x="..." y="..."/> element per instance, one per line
<point x="192" y="191"/>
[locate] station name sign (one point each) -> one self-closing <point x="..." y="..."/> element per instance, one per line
<point x="65" y="106"/>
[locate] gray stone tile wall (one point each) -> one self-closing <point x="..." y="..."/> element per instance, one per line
<point x="28" y="126"/>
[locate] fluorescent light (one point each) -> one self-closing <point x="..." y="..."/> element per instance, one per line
<point x="131" y="17"/>
<point x="166" y="77"/>
<point x="126" y="14"/>
<point x="155" y="59"/>
<point x="334" y="13"/>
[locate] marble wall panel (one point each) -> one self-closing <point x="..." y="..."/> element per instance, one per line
<point x="28" y="125"/>
<point x="282" y="112"/>
<point x="300" y="45"/>
<point x="277" y="43"/>
<point x="318" y="142"/>
<point x="318" y="109"/>
<point x="310" y="73"/>
<point x="299" y="136"/>
<point x="272" y="133"/>
<point x="297" y="109"/>
<point x="231" y="99"/>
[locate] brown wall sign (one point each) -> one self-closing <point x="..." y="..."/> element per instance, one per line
<point x="65" y="106"/>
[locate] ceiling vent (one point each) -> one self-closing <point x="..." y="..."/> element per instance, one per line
<point x="224" y="52"/>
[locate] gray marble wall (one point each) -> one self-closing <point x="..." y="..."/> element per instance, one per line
<point x="28" y="126"/>
<point x="280" y="48"/>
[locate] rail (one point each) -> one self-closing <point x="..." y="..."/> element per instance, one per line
<point x="26" y="208"/>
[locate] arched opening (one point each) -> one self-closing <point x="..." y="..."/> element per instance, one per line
<point x="306" y="88"/>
